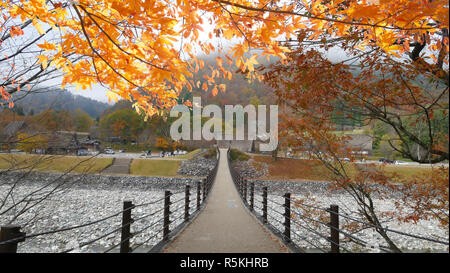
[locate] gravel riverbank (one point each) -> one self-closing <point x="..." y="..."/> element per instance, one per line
<point x="313" y="235"/>
<point x="198" y="166"/>
<point x="79" y="199"/>
<point x="83" y="199"/>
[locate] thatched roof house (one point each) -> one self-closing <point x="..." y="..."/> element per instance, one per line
<point x="63" y="142"/>
<point x="12" y="129"/>
<point x="361" y="143"/>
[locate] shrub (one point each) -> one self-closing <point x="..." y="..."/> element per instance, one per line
<point x="211" y="153"/>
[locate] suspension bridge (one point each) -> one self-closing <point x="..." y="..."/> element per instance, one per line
<point x="224" y="213"/>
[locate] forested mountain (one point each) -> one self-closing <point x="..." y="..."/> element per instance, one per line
<point x="57" y="99"/>
<point x="121" y="104"/>
<point x="239" y="90"/>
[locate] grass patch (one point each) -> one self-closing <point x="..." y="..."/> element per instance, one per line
<point x="302" y="169"/>
<point x="53" y="163"/>
<point x="290" y="168"/>
<point x="406" y="171"/>
<point x="349" y="132"/>
<point x="153" y="167"/>
<point x="238" y="155"/>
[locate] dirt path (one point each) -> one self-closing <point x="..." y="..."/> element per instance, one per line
<point x="225" y="225"/>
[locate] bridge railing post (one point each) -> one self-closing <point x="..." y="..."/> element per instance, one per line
<point x="265" y="204"/>
<point x="211" y="179"/>
<point x="334" y="228"/>
<point x="204" y="189"/>
<point x="9" y="233"/>
<point x="287" y="216"/>
<point x="126" y="227"/>
<point x="186" y="202"/>
<point x="166" y="229"/>
<point x="199" y="197"/>
<point x="210" y="182"/>
<point x="252" y="195"/>
<point x="244" y="190"/>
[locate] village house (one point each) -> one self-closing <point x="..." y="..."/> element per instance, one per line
<point x="70" y="142"/>
<point x="11" y="130"/>
<point x="58" y="142"/>
<point x="8" y="135"/>
<point x="360" y="144"/>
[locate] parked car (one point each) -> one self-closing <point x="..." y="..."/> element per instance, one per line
<point x="82" y="152"/>
<point x="385" y="160"/>
<point x="146" y="154"/>
<point x="109" y="151"/>
<point x="399" y="162"/>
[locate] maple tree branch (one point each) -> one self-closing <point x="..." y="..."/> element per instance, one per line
<point x="117" y="45"/>
<point x="96" y="52"/>
<point x="26" y="46"/>
<point x="236" y="25"/>
<point x="314" y="17"/>
<point x="8" y="34"/>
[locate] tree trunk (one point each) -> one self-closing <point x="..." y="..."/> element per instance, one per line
<point x="275" y="154"/>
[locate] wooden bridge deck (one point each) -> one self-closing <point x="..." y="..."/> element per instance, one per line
<point x="225" y="225"/>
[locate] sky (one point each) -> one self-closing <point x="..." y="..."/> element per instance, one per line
<point x="96" y="93"/>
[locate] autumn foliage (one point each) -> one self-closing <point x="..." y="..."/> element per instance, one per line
<point x="145" y="51"/>
<point x="392" y="67"/>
